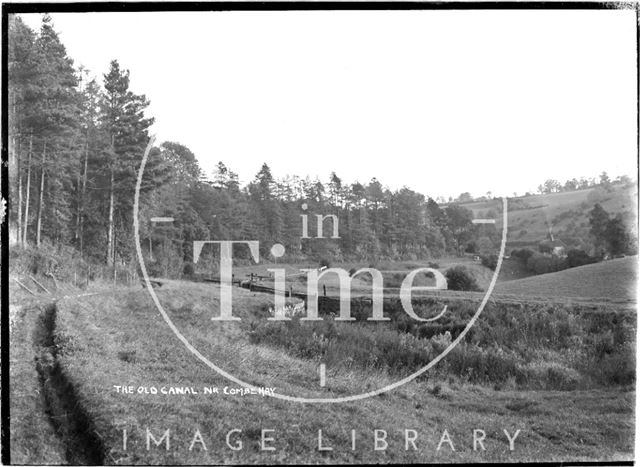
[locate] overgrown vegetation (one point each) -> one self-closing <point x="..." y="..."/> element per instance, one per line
<point x="460" y="278"/>
<point x="444" y="400"/>
<point x="534" y="346"/>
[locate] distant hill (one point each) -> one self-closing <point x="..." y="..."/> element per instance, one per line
<point x="613" y="279"/>
<point x="566" y="213"/>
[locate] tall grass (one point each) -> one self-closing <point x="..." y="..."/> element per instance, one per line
<point x="523" y="344"/>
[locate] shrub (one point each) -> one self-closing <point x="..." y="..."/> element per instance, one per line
<point x="188" y="269"/>
<point x="523" y="254"/>
<point x="460" y="278"/>
<point x="364" y="345"/>
<point x="490" y="261"/>
<point x="483" y="365"/>
<point x="433" y="265"/>
<point x="618" y="367"/>
<point x="155" y="269"/>
<point x="576" y="257"/>
<point x="523" y="345"/>
<point x="541" y="264"/>
<point x="325" y="263"/>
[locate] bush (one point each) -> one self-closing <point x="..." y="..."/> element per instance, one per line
<point x="363" y="345"/>
<point x="541" y="264"/>
<point x="576" y="257"/>
<point x="433" y="265"/>
<point x="523" y="254"/>
<point x="472" y="247"/>
<point x="325" y="263"/>
<point x="460" y="278"/>
<point x="188" y="269"/>
<point x="490" y="261"/>
<point x="155" y="269"/>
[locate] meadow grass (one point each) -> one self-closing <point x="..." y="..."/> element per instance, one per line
<point x="120" y="339"/>
<point x="616" y="278"/>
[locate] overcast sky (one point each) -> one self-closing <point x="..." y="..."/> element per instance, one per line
<point x="440" y="101"/>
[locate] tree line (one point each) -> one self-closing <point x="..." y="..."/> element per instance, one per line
<point x="75" y="146"/>
<point x="604" y="181"/>
<point x="552" y="186"/>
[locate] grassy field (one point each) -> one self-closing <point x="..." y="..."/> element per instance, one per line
<point x="614" y="278"/>
<point x="393" y="273"/>
<point x="119" y="339"/>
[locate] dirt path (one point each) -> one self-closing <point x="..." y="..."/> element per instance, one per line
<point x="65" y="411"/>
<point x="47" y="423"/>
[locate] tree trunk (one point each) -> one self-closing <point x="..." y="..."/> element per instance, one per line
<point x="110" y="232"/>
<point x="76" y="234"/>
<point x="113" y="258"/>
<point x="28" y="192"/>
<point x="14" y="226"/>
<point x="41" y="203"/>
<point x="19" y="197"/>
<point x="111" y="207"/>
<point x="84" y="191"/>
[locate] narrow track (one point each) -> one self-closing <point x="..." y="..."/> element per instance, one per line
<point x="66" y="413"/>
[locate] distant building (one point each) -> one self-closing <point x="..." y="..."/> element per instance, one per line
<point x="553" y="246"/>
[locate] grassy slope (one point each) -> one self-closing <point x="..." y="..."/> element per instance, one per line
<point x="535" y="222"/>
<point x="614" y="279"/>
<point x="122" y="340"/>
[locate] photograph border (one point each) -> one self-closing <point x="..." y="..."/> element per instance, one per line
<point x="173" y="6"/>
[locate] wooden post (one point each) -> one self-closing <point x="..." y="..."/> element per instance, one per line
<point x="24" y="286"/>
<point x="39" y="284"/>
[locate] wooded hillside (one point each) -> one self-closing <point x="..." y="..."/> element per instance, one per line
<point x="75" y="146"/>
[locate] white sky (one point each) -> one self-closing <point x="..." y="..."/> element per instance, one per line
<point x="440" y="101"/>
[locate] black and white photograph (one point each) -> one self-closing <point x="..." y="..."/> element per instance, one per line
<point x="319" y="233"/>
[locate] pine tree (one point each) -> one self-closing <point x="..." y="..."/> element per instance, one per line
<point x="53" y="119"/>
<point x="21" y="74"/>
<point x="126" y="128"/>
